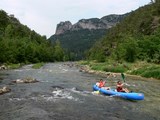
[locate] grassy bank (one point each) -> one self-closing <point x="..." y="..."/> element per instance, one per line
<point x="14" y="66"/>
<point x="38" y="65"/>
<point x="139" y="68"/>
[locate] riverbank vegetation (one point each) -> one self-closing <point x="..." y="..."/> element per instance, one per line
<point x="13" y="66"/>
<point x="140" y="68"/>
<point x="132" y="46"/>
<point x="38" y="65"/>
<point x="137" y="37"/>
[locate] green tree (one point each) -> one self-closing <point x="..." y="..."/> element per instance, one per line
<point x="127" y="50"/>
<point x="9" y="31"/>
<point x="130" y="55"/>
<point x="59" y="52"/>
<point x="3" y="20"/>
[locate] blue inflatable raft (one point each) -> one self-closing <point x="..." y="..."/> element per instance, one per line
<point x="113" y="92"/>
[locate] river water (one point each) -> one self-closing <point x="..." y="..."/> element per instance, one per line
<point x="64" y="93"/>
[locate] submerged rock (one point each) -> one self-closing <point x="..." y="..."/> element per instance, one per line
<point x="5" y="89"/>
<point x="26" y="80"/>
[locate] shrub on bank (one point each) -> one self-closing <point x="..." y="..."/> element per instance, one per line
<point x="117" y="69"/>
<point x="97" y="67"/>
<point x="148" y="72"/>
<point x="153" y="74"/>
<point x="141" y="68"/>
<point x="38" y="65"/>
<point x="14" y="66"/>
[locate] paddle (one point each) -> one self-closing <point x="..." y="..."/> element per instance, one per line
<point x="123" y="77"/>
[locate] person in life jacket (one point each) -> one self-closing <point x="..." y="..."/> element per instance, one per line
<point x="120" y="87"/>
<point x="101" y="84"/>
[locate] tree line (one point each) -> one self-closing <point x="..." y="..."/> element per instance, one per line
<point x="19" y="44"/>
<point x="137" y="37"/>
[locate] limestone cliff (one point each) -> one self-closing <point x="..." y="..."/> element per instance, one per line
<point x="63" y="26"/>
<point x="105" y="22"/>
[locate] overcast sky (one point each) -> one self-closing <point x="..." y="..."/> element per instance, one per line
<point x="44" y="15"/>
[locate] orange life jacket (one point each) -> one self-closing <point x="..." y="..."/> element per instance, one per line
<point x="101" y="84"/>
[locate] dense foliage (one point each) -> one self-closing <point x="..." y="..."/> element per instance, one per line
<point x="137" y="37"/>
<point x="19" y="44"/>
<point x="77" y="42"/>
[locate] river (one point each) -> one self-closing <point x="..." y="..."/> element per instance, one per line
<point x="64" y="93"/>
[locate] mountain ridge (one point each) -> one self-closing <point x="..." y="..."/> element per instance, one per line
<point x="79" y="37"/>
<point x="105" y="22"/>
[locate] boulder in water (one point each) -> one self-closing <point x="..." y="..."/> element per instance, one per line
<point x="26" y="80"/>
<point x="5" y="89"/>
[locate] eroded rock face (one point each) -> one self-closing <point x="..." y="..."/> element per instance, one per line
<point x="105" y="22"/>
<point x="62" y="27"/>
<point x="93" y="23"/>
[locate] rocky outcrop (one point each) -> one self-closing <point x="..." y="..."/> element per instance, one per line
<point x="63" y="26"/>
<point x="105" y="22"/>
<point x="93" y="23"/>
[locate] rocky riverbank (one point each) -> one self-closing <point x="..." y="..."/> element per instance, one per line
<point x="87" y="69"/>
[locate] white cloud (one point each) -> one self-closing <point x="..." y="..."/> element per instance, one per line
<point x="43" y="15"/>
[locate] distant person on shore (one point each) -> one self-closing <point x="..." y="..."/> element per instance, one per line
<point x="120" y="87"/>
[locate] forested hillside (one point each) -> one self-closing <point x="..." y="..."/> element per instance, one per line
<point x="137" y="37"/>
<point x="76" y="42"/>
<point x="79" y="37"/>
<point x="19" y="44"/>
